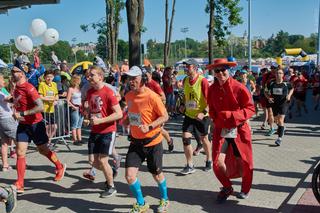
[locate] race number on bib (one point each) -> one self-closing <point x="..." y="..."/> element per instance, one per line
<point x="229" y="133"/>
<point x="135" y="119"/>
<point x="50" y="93"/>
<point x="191" y="105"/>
<point x="277" y="91"/>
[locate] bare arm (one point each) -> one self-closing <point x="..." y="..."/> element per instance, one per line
<point x="38" y="108"/>
<point x="116" y="115"/>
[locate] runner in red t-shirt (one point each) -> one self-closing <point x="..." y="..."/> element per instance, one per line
<point x="155" y="87"/>
<point x="300" y="92"/>
<point x="28" y="108"/>
<point x="104" y="111"/>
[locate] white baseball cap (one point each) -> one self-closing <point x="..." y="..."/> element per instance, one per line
<point x="134" y="71"/>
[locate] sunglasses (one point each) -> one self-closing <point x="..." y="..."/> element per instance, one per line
<point x="220" y="70"/>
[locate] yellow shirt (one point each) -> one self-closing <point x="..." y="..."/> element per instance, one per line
<point x="48" y="91"/>
<point x="195" y="100"/>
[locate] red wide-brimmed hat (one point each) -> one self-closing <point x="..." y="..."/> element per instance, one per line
<point x="219" y="62"/>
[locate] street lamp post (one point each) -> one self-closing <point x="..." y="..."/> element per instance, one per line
<point x="74" y="49"/>
<point x="318" y="52"/>
<point x="185" y="30"/>
<point x="249" y="34"/>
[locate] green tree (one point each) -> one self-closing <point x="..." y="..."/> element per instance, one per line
<point x="62" y="49"/>
<point x="123" y="49"/>
<point x="224" y="14"/>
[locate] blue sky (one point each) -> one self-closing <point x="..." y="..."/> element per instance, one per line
<point x="268" y="17"/>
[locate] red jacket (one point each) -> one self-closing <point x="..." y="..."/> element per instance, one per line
<point x="230" y="106"/>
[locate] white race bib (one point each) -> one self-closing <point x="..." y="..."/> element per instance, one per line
<point x="229" y="133"/>
<point x="191" y="105"/>
<point x="50" y="93"/>
<point x="135" y="119"/>
<point x="277" y="91"/>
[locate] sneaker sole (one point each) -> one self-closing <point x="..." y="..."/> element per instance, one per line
<point x="64" y="171"/>
<point x="187" y="173"/>
<point x="115" y="192"/>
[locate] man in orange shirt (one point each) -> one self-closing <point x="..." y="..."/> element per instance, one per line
<point x="146" y="114"/>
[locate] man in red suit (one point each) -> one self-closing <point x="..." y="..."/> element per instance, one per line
<point x="230" y="107"/>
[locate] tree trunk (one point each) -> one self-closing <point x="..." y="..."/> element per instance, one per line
<point x="165" y="46"/>
<point x="108" y="39"/>
<point x="135" y="16"/>
<point x="170" y="29"/>
<point x="211" y="31"/>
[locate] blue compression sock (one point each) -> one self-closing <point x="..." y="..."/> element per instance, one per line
<point x="135" y="188"/>
<point x="163" y="189"/>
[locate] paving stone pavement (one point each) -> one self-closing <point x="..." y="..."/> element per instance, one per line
<point x="280" y="177"/>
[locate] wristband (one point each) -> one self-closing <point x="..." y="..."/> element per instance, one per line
<point x="22" y="114"/>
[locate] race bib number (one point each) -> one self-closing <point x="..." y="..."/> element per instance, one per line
<point x="277" y="91"/>
<point x="50" y="93"/>
<point x="135" y="119"/>
<point x="191" y="105"/>
<point x="229" y="133"/>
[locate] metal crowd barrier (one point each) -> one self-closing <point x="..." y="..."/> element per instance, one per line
<point x="58" y="123"/>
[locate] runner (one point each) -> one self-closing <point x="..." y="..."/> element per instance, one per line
<point x="28" y="108"/>
<point x="267" y="78"/>
<point x="300" y="92"/>
<point x="146" y="114"/>
<point x="104" y="111"/>
<point x="196" y="118"/>
<point x="230" y="107"/>
<point x="279" y="96"/>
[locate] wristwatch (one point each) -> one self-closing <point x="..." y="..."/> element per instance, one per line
<point x="150" y="128"/>
<point x="204" y="111"/>
<point x="21" y="114"/>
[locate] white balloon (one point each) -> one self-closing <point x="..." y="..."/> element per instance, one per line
<point x="23" y="44"/>
<point x="50" y="37"/>
<point x="38" y="27"/>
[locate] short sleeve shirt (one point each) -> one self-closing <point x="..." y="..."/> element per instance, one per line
<point x="100" y="105"/>
<point x="48" y="91"/>
<point x="24" y="97"/>
<point x="279" y="92"/>
<point x="143" y="109"/>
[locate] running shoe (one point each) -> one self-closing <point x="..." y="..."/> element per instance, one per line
<point x="109" y="191"/>
<point x="271" y="132"/>
<point x="224" y="194"/>
<point x="188" y="170"/>
<point x="88" y="176"/>
<point x="170" y="145"/>
<point x="163" y="206"/>
<point x="60" y="173"/>
<point x="197" y="151"/>
<point x="11" y="201"/>
<point x="19" y="188"/>
<point x="208" y="166"/>
<point x="242" y="195"/>
<point x="278" y="142"/>
<point x="139" y="208"/>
